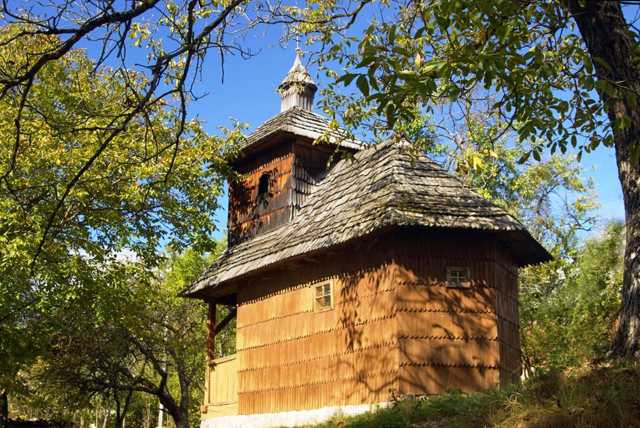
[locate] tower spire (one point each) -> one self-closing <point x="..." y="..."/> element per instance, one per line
<point x="297" y="88"/>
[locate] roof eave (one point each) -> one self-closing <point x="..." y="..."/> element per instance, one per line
<point x="528" y="252"/>
<point x="263" y="141"/>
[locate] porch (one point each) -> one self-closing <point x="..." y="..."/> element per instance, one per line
<point x="221" y="388"/>
<point x="221" y="373"/>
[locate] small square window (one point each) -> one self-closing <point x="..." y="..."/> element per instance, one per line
<point x="457" y="276"/>
<point x="323" y="297"/>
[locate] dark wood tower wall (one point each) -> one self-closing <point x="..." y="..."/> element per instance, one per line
<point x="292" y="166"/>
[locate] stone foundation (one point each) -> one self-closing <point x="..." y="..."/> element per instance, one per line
<point x="288" y="419"/>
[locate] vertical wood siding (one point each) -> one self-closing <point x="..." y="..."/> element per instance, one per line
<point x="506" y="280"/>
<point x="455" y="338"/>
<point x="311" y="163"/>
<point x="395" y="327"/>
<point x="249" y="216"/>
<point x="292" y="357"/>
<point x="295" y="167"/>
<point x="221" y="388"/>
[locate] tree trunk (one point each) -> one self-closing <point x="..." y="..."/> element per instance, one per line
<point x="160" y="414"/>
<point x="147" y="413"/>
<point x="121" y="408"/>
<point x="4" y="409"/>
<point x="609" y="41"/>
<point x="179" y="415"/>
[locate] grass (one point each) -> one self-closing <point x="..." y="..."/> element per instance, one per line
<point x="590" y="397"/>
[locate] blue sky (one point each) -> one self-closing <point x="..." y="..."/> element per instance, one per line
<point x="249" y="95"/>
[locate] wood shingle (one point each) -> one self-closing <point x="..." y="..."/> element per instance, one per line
<point x="382" y="186"/>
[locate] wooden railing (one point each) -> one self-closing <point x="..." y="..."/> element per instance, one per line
<point x="221" y="387"/>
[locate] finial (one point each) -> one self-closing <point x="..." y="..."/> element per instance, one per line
<point x="298" y="88"/>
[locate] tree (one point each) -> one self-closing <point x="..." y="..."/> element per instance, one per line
<point x="98" y="157"/>
<point x="130" y="337"/>
<point x="63" y="225"/>
<point x="568" y="323"/>
<point x="562" y="73"/>
<point x="40" y="40"/>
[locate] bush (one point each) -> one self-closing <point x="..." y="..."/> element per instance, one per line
<point x="568" y="307"/>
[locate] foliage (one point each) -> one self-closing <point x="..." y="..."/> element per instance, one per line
<point x="126" y="339"/>
<point x="86" y="333"/>
<point x="598" y="397"/>
<point x="528" y="57"/>
<point x="87" y="274"/>
<point x="136" y="195"/>
<point x="549" y="196"/>
<point x="568" y="314"/>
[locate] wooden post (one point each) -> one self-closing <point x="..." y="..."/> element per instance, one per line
<point x="211" y="337"/>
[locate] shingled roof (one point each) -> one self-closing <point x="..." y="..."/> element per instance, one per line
<point x="301" y="122"/>
<point x="382" y="186"/>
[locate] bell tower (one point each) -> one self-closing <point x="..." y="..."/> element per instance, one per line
<point x="282" y="160"/>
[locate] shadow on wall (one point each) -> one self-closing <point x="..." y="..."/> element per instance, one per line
<point x="395" y="328"/>
<point x="448" y="337"/>
<point x="366" y="325"/>
<point x="405" y="332"/>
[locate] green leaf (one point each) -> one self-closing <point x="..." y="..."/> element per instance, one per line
<point x="366" y="60"/>
<point x="536" y="155"/>
<point x="346" y="79"/>
<point x="372" y="78"/>
<point x="389" y="112"/>
<point x="432" y="67"/>
<point x="524" y="157"/>
<point x="363" y="85"/>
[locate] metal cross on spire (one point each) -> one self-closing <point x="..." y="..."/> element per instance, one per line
<point x="298" y="50"/>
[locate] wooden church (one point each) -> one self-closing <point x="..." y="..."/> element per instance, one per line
<point x="355" y="281"/>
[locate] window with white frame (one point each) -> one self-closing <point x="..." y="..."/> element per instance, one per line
<point x="457" y="276"/>
<point x="323" y="296"/>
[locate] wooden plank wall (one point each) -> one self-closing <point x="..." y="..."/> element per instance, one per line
<point x="311" y="163"/>
<point x="451" y="338"/>
<point x="295" y="167"/>
<point x="292" y="357"/>
<point x="506" y="281"/>
<point x="395" y="328"/>
<point x="221" y="391"/>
